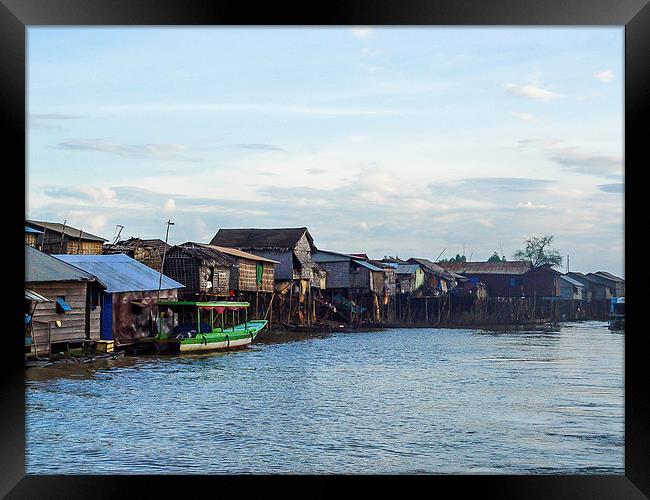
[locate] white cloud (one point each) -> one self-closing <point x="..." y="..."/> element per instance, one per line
<point x="87" y="221"/>
<point x="532" y="91"/>
<point x="362" y="31"/>
<point x="530" y="204"/>
<point x="604" y="76"/>
<point x="140" y="151"/>
<point x="245" y="107"/>
<point x="170" y="205"/>
<point x="526" y="117"/>
<point x="365" y="51"/>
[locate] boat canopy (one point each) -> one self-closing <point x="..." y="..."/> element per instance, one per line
<point x="219" y="306"/>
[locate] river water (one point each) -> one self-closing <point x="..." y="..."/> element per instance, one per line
<point x="391" y="401"/>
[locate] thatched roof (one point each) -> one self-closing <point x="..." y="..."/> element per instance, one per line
<point x="276" y="239"/>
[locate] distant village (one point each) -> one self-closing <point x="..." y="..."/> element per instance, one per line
<point x="79" y="287"/>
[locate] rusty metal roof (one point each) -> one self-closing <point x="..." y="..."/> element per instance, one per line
<point x="69" y="231"/>
<point x="215" y="252"/>
<point x="465" y="268"/>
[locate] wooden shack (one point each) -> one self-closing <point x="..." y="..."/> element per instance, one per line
<point x="59" y="238"/>
<point x="410" y="278"/>
<point x="291" y="248"/>
<point x="542" y="281"/>
<point x="128" y="302"/>
<point x="437" y="280"/>
<point x="213" y="271"/>
<point x="149" y="252"/>
<point x="619" y="283"/>
<point x="571" y="289"/>
<point x="346" y="271"/>
<point x="31" y="236"/>
<point x="70" y="313"/>
<point x="502" y="279"/>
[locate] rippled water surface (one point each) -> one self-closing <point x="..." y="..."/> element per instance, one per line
<point x="392" y="401"/>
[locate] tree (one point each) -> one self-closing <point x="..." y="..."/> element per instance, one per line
<point x="458" y="258"/>
<point x="537" y="250"/>
<point x="494" y="258"/>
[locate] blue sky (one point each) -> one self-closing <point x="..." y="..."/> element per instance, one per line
<point x="392" y="140"/>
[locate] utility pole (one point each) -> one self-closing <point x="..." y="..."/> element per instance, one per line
<point x="567" y="263"/>
<point x="162" y="264"/>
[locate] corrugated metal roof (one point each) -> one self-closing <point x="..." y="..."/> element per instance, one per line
<point x="67" y="230"/>
<point x="367" y="265"/>
<point x="466" y="268"/>
<point x="235" y="252"/>
<point x="330" y="256"/>
<point x="433" y="267"/>
<point x="609" y="276"/>
<point x="571" y="280"/>
<point x="601" y="280"/>
<point x="120" y="273"/>
<point x="42" y="268"/>
<point x="35" y="297"/>
<point x="407" y="268"/>
<point x="578" y="277"/>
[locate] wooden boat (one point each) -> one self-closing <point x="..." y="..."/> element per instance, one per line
<point x="200" y="336"/>
<point x="616" y="319"/>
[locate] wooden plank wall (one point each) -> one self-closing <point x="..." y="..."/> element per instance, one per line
<point x="73" y="323"/>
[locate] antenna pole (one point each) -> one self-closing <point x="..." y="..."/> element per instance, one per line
<point x="440" y="254"/>
<point x="118" y="233"/>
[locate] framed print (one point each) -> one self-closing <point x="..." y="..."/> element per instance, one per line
<point x="376" y="240"/>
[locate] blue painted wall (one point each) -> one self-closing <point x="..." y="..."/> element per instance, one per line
<point x="106" y="321"/>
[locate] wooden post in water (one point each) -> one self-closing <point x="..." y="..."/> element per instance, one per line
<point x="426" y="309"/>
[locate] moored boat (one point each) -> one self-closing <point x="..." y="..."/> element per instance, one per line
<point x="200" y="333"/>
<point x="616" y="318"/>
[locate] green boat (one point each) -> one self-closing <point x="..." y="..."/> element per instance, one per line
<point x="199" y="333"/>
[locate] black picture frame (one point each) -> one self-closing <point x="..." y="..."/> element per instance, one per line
<point x="17" y="15"/>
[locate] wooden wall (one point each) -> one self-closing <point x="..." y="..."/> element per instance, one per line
<point x="73" y="247"/>
<point x="31" y="239"/>
<point x="73" y="323"/>
<point x="243" y="276"/>
<point x="338" y="273"/>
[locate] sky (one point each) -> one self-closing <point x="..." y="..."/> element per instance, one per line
<point x="384" y="140"/>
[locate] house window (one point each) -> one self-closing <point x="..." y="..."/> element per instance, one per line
<point x="61" y="305"/>
<point x="94" y="299"/>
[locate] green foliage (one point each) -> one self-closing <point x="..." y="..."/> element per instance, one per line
<point x="458" y="258"/>
<point x="494" y="258"/>
<point x="537" y="250"/>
